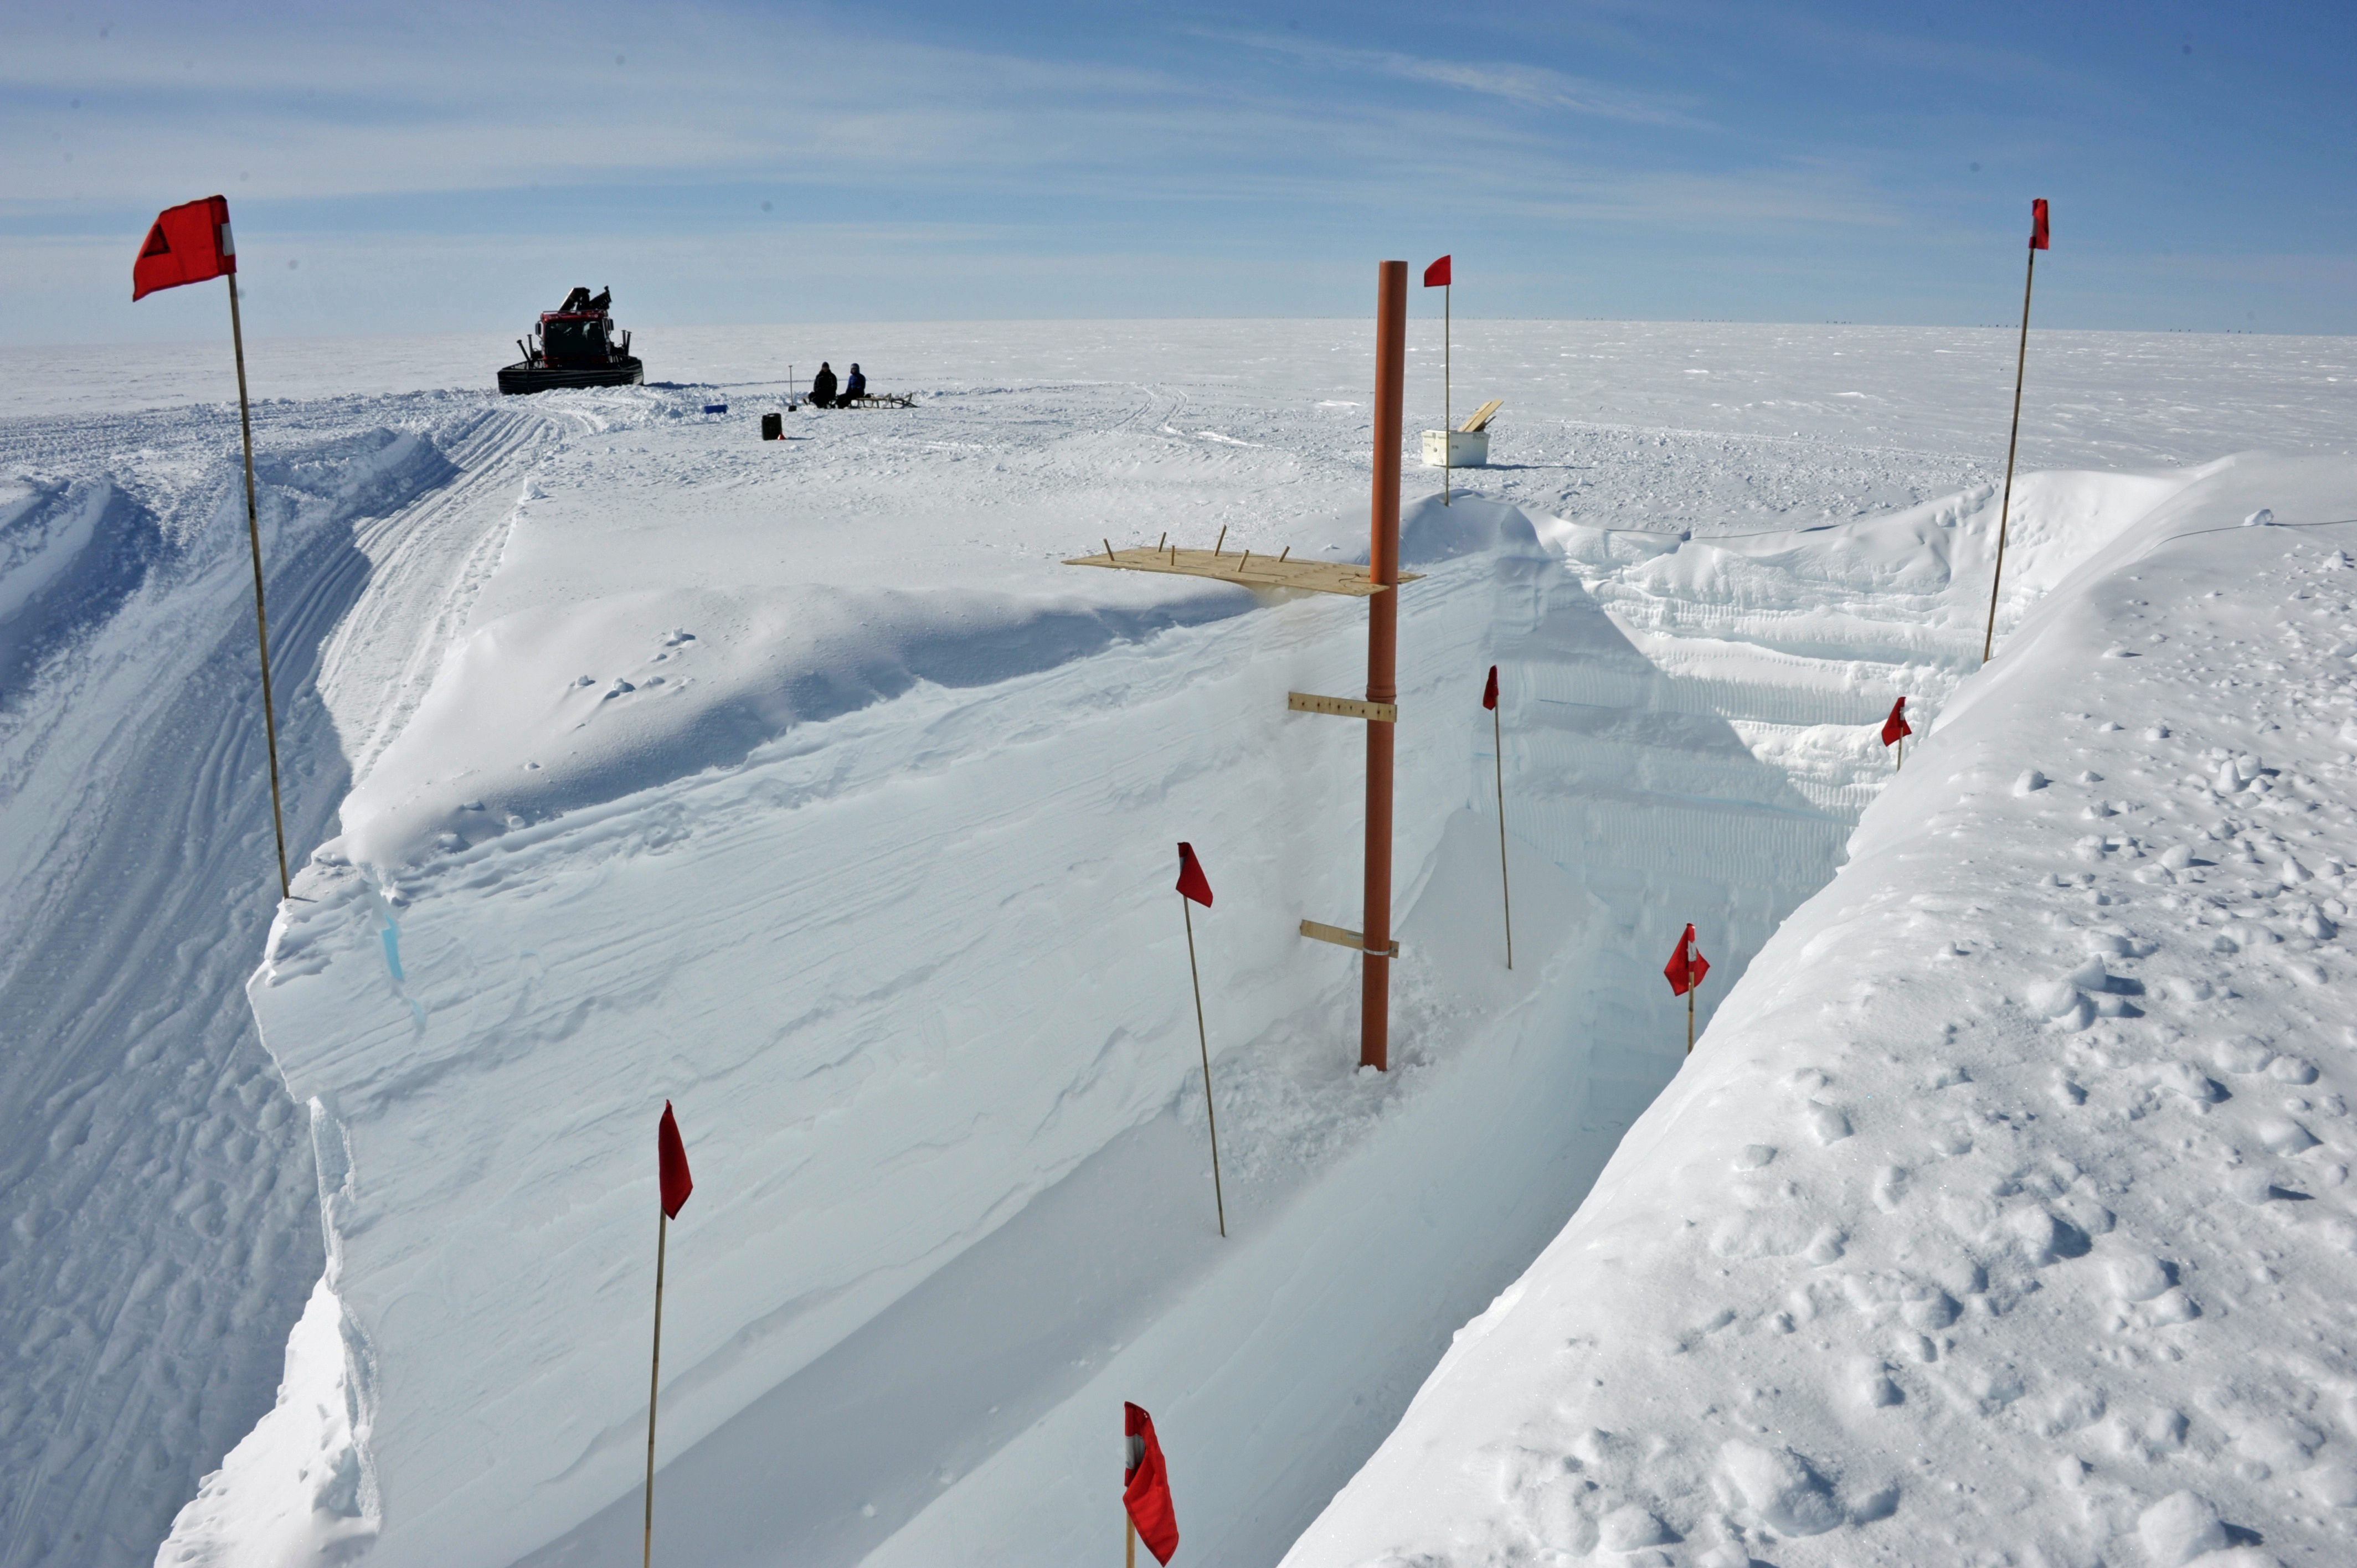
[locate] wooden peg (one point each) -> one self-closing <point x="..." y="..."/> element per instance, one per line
<point x="1108" y="544"/>
<point x="1223" y="540"/>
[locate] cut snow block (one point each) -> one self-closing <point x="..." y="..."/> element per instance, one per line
<point x="1456" y="449"/>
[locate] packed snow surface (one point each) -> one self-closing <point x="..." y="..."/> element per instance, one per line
<point x="797" y="784"/>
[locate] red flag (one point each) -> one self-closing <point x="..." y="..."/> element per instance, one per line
<point x="2038" y="239"/>
<point x="1191" y="880"/>
<point x="1437" y="274"/>
<point x="1896" y="724"/>
<point x="1686" y="966"/>
<point x="1145" y="1486"/>
<point x="1490" y="692"/>
<point x="188" y="244"/>
<point x="671" y="1158"/>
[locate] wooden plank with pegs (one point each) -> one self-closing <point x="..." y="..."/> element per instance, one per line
<point x="1482" y="417"/>
<point x="1341" y="936"/>
<point x="1247" y="570"/>
<point x="1342" y="707"/>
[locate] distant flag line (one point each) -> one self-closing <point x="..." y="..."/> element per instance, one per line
<point x="192" y="244"/>
<point x="2039" y="241"/>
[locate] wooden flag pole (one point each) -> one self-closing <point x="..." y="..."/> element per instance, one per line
<point x="2004" y="507"/>
<point x="1448" y="409"/>
<point x="1129" y="1555"/>
<point x="1498" y="742"/>
<point x="261" y="621"/>
<point x="1204" y="1040"/>
<point x="1690" y="991"/>
<point x="654" y="1385"/>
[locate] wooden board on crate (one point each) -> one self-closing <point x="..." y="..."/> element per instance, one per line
<point x="1482" y="417"/>
<point x="1245" y="568"/>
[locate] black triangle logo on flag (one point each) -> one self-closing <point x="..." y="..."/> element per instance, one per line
<point x="157" y="244"/>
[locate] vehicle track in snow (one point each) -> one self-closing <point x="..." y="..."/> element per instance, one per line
<point x="162" y="1222"/>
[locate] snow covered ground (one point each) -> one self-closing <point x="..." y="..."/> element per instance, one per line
<point x="796" y="783"/>
<point x="2003" y="1215"/>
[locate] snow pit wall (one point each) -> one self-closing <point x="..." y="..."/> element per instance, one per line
<point x="2004" y="1208"/>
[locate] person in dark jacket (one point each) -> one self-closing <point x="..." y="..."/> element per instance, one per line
<point x="821" y="393"/>
<point x="855" y="387"/>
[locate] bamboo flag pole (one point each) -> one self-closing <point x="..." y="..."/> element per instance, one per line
<point x="2038" y="242"/>
<point x="1204" y="1040"/>
<point x="1690" y="991"/>
<point x="1448" y="409"/>
<point x="655" y="1386"/>
<point x="1498" y="749"/>
<point x="1129" y="1554"/>
<point x="674" y="1185"/>
<point x="188" y="244"/>
<point x="261" y="620"/>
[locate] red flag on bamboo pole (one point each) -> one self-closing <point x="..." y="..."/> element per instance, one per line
<point x="671" y="1169"/>
<point x="1490" y="692"/>
<point x="1437" y="274"/>
<point x="1145" y="1486"/>
<point x="671" y="1158"/>
<point x="1685" y="970"/>
<point x="1896" y="724"/>
<point x="1191" y="880"/>
<point x="187" y="243"/>
<point x="2039" y="241"/>
<point x="1686" y="966"/>
<point x="1194" y="887"/>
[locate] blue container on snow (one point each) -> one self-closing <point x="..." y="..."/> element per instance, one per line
<point x="715" y="408"/>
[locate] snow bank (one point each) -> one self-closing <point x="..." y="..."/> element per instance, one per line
<point x="2005" y="1206"/>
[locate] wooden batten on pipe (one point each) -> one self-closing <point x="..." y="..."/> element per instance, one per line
<point x="1383" y="661"/>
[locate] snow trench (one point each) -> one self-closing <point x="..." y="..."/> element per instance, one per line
<point x="911" y="974"/>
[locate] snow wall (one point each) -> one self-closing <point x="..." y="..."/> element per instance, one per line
<point x="2003" y="1213"/>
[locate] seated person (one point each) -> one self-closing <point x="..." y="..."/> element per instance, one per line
<point x="821" y="393"/>
<point x="855" y="387"/>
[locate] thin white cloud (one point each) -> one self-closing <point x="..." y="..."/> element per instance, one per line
<point x="1536" y="86"/>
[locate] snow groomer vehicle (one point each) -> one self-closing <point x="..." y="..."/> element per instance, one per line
<point x="575" y="346"/>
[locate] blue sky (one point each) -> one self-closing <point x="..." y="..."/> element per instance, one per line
<point x="452" y="167"/>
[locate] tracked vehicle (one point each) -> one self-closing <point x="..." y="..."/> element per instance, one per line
<point x="576" y="344"/>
